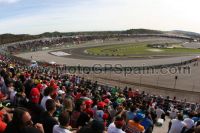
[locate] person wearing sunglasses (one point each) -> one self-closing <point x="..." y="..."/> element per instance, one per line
<point x="22" y="123"/>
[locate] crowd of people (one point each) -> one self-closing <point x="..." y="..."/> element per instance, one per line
<point x="39" y="44"/>
<point x="34" y="100"/>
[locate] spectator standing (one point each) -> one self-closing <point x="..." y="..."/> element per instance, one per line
<point x="64" y="124"/>
<point x="134" y="125"/>
<point x="116" y="126"/>
<point x="177" y="125"/>
<point x="47" y="118"/>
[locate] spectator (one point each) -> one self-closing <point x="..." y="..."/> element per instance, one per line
<point x="173" y="113"/>
<point x="177" y="125"/>
<point x="116" y="126"/>
<point x="99" y="112"/>
<point x="22" y="123"/>
<point x="47" y="118"/>
<point x="189" y="123"/>
<point x="147" y="123"/>
<point x="134" y="125"/>
<point x="95" y="127"/>
<point x="47" y="95"/>
<point x="64" y="124"/>
<point x="83" y="118"/>
<point x="131" y="114"/>
<point x="159" y="112"/>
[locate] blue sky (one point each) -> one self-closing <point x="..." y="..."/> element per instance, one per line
<point x="38" y="16"/>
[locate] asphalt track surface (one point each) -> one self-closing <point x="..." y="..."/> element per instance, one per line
<point x="45" y="56"/>
<point x="187" y="86"/>
<point x="80" y="53"/>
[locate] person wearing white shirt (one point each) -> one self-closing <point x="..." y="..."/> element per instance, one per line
<point x="64" y="124"/>
<point x="116" y="126"/>
<point x="177" y="125"/>
<point x="47" y="92"/>
<point x="159" y="112"/>
<point x="189" y="122"/>
<point x="173" y="113"/>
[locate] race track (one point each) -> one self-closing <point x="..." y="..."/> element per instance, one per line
<point x="187" y="86"/>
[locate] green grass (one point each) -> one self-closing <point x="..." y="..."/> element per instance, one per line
<point x="136" y="50"/>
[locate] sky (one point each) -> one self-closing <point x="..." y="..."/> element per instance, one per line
<point x="38" y="16"/>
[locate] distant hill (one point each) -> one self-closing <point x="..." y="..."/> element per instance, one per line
<point x="56" y="33"/>
<point x="9" y="38"/>
<point x="143" y="31"/>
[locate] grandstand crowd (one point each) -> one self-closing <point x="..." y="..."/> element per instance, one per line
<point x="35" y="100"/>
<point x="38" y="44"/>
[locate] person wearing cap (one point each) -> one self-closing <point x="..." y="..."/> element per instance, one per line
<point x="35" y="108"/>
<point x="55" y="91"/>
<point x="35" y="95"/>
<point x="88" y="109"/>
<point x="116" y="126"/>
<point x="107" y="101"/>
<point x="147" y="123"/>
<point x="134" y="126"/>
<point x="99" y="112"/>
